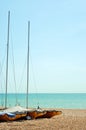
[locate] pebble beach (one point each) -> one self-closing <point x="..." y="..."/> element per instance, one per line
<point x="70" y="119"/>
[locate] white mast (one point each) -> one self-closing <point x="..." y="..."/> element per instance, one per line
<point x="7" y="59"/>
<point x="28" y="64"/>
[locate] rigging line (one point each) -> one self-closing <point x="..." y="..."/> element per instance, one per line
<point x="14" y="70"/>
<point x="2" y="89"/>
<point x="22" y="74"/>
<point x="1" y="66"/>
<point x="2" y="96"/>
<point x="35" y="83"/>
<point x="22" y="77"/>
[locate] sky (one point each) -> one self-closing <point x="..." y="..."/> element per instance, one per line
<point x="57" y="45"/>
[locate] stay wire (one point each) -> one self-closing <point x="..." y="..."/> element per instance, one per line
<point x="22" y="79"/>
<point x="35" y="83"/>
<point x="14" y="70"/>
<point x="2" y="77"/>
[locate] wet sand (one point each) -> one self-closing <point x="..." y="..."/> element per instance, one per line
<point x="70" y="119"/>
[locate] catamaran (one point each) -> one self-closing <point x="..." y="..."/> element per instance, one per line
<point x="17" y="112"/>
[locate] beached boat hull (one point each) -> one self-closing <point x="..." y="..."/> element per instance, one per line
<point x="6" y="117"/>
<point x="50" y="113"/>
<point x="36" y="114"/>
<point x="13" y="113"/>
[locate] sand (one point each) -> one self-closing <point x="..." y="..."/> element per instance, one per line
<point x="71" y="119"/>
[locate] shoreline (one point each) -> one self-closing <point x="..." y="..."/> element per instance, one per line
<point x="70" y="119"/>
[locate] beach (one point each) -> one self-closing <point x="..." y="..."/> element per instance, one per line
<point x="70" y="119"/>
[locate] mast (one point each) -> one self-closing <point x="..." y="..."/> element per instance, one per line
<point x="7" y="59"/>
<point x="28" y="64"/>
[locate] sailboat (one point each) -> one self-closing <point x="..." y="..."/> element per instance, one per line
<point x="38" y="113"/>
<point x="17" y="112"/>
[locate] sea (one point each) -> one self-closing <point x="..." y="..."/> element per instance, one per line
<point x="46" y="100"/>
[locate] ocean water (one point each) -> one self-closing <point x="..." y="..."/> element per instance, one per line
<point x="47" y="100"/>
